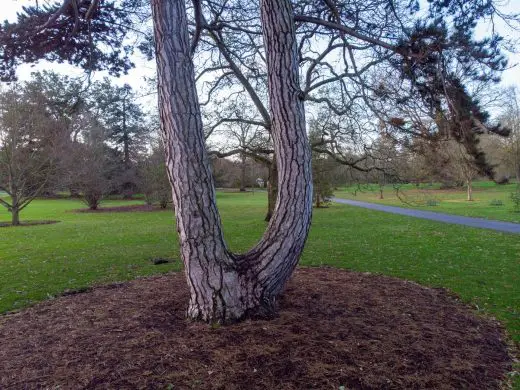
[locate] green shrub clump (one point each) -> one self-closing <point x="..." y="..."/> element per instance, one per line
<point x="432" y="202"/>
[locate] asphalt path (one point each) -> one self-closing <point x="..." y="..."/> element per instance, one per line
<point x="508" y="227"/>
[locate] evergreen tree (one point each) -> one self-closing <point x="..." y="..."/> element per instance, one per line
<point x="116" y="109"/>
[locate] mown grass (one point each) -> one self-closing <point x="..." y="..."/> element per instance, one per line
<point x="452" y="201"/>
<point x="38" y="262"/>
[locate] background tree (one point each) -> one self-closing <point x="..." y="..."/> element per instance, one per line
<point x="322" y="166"/>
<point x="30" y="143"/>
<point x="461" y="165"/>
<point x="117" y="110"/>
<point x="153" y="179"/>
<point x="93" y="164"/>
<point x="511" y="145"/>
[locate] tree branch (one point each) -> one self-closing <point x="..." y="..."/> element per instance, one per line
<point x="350" y="31"/>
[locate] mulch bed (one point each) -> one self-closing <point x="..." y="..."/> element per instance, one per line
<point x="28" y="223"/>
<point x="124" y="209"/>
<point x="336" y="328"/>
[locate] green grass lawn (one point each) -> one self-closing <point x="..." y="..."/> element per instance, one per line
<point x="448" y="201"/>
<point x="38" y="262"/>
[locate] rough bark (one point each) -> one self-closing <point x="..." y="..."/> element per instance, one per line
<point x="225" y="287"/>
<point x="272" y="189"/>
<point x="15" y="215"/>
<point x="469" y="187"/>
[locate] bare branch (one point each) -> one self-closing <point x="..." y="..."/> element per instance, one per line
<point x="198" y="25"/>
<point x="350" y="31"/>
<point x="91" y="9"/>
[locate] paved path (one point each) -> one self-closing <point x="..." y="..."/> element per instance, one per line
<point x="508" y="227"/>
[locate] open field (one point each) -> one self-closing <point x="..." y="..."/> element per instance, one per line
<point x="451" y="201"/>
<point x="39" y="262"/>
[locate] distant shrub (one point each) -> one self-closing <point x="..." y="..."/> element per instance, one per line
<point x="450" y="185"/>
<point x="502" y="180"/>
<point x="92" y="198"/>
<point x="496" y="202"/>
<point x="432" y="202"/>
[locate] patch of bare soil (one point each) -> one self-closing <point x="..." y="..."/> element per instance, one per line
<point x="28" y="223"/>
<point x="336" y="328"/>
<point x="124" y="209"/>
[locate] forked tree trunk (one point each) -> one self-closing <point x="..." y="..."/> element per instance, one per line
<point x="225" y="287"/>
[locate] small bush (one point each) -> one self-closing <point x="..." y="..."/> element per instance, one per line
<point x="496" y="202"/>
<point x="502" y="180"/>
<point x="92" y="198"/>
<point x="432" y="202"/>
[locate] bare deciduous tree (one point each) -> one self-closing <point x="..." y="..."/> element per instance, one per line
<point x="30" y="143"/>
<point x="511" y="145"/>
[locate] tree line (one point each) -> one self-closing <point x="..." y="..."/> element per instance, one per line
<point x="58" y="134"/>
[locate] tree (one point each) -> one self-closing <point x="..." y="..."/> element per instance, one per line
<point x="462" y="166"/>
<point x="30" y="142"/>
<point x="117" y="110"/>
<point x="511" y="145"/>
<point x="153" y="179"/>
<point x="93" y="164"/>
<point x="226" y="287"/>
<point x="63" y="99"/>
<point x="322" y="166"/>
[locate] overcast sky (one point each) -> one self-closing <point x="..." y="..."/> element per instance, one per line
<point x="136" y="76"/>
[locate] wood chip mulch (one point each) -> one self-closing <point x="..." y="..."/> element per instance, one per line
<point x="336" y="329"/>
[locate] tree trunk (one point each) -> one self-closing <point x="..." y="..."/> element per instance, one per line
<point x="243" y="172"/>
<point x="272" y="189"/>
<point x="126" y="141"/>
<point x="15" y="215"/>
<point x="15" y="206"/>
<point x="469" y="186"/>
<point x="225" y="287"/>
